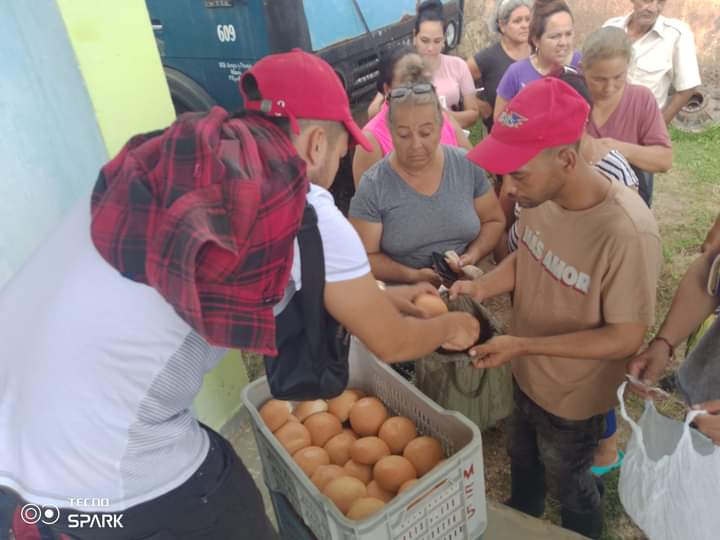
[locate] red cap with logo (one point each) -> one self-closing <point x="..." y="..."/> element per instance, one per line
<point x="298" y="84"/>
<point x="546" y="113"/>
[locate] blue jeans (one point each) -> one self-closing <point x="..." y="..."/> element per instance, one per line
<point x="8" y="503"/>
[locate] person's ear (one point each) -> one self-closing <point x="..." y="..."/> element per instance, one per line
<point x="316" y="146"/>
<point x="567" y="157"/>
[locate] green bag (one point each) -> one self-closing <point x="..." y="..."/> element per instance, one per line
<point x="485" y="396"/>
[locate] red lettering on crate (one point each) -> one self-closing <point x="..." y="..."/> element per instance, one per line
<point x="467" y="473"/>
<point x="470" y="511"/>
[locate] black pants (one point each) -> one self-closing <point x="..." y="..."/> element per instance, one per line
<point x="555" y="451"/>
<point x="645" y="188"/>
<point x="219" y="501"/>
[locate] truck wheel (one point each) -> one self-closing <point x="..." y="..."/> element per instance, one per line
<point x="701" y="112"/>
<point x="187" y="95"/>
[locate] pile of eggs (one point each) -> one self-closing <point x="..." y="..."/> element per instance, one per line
<point x="351" y="449"/>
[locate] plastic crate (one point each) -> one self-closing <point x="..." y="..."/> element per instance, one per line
<point x="447" y="503"/>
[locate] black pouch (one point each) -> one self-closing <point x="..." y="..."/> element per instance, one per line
<point x="312" y="360"/>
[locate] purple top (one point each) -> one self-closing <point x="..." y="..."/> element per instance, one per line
<point x="521" y="73"/>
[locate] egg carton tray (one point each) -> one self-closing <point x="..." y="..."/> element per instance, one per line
<point x="447" y="503"/>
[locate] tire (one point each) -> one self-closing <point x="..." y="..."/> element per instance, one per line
<point x="187" y="95"/>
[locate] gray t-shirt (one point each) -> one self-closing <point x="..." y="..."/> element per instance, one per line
<point x="415" y="225"/>
<point x="699" y="375"/>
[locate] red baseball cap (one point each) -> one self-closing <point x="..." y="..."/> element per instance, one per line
<point x="298" y="84"/>
<point x="546" y="113"/>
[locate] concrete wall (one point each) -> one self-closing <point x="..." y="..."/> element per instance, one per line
<point x="703" y="17"/>
<point x="80" y="77"/>
<point x="50" y="144"/>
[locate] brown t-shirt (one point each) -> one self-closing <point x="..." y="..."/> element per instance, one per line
<point x="580" y="270"/>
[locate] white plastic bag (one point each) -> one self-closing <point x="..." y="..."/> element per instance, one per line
<point x="670" y="478"/>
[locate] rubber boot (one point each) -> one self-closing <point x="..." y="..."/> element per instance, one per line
<point x="528" y="490"/>
<point x="588" y="524"/>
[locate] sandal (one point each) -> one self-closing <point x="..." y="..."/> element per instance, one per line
<point x="599" y="471"/>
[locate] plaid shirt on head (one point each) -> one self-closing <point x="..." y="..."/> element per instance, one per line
<point x="206" y="212"/>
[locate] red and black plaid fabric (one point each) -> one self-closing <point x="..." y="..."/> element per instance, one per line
<point x="206" y="212"/>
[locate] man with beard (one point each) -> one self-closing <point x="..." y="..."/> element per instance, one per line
<point x="583" y="280"/>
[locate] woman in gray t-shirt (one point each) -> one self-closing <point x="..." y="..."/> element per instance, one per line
<point x="423" y="197"/>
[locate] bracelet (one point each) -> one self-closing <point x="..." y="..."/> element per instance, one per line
<point x="670" y="347"/>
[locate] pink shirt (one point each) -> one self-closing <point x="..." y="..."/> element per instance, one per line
<point x="378" y="126"/>
<point x="452" y="79"/>
<point x="636" y="120"/>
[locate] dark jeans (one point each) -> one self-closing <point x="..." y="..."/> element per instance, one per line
<point x="219" y="501"/>
<point x="8" y="503"/>
<point x="555" y="451"/>
<point x="645" y="189"/>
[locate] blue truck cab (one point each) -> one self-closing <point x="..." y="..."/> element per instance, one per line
<point x="206" y="45"/>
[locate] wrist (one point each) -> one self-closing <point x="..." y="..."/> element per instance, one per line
<point x="522" y="345"/>
<point x="412" y="275"/>
<point x="472" y="256"/>
<point x="665" y="344"/>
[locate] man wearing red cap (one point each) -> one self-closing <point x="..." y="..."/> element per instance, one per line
<point x="187" y="249"/>
<point x="583" y="282"/>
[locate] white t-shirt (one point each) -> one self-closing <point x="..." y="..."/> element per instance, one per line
<point x="345" y="256"/>
<point x="98" y="372"/>
<point x="663" y="57"/>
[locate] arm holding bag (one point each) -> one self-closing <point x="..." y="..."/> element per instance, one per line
<point x="670" y="477"/>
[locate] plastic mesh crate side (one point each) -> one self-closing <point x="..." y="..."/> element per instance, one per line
<point x="461" y="441"/>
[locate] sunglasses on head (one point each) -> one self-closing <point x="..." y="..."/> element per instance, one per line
<point x="402" y="91"/>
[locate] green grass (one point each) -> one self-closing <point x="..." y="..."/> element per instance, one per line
<point x="699" y="153"/>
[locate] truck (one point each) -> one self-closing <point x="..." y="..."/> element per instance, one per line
<point x="206" y="45"/>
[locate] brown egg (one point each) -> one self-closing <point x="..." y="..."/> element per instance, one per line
<point x="344" y="491"/>
<point x="424" y="453"/>
<point x="341" y="405"/>
<point x="391" y="472"/>
<point x="304" y="409"/>
<point x="367" y="415"/>
<point x="338" y="447"/>
<point x="310" y="458"/>
<point x="293" y="418"/>
<point x="324" y="473"/>
<point x="362" y="472"/>
<point x="359" y="393"/>
<point x="374" y="490"/>
<point x="275" y="413"/>
<point x="293" y="436"/>
<point x="407" y="485"/>
<point x="397" y="431"/>
<point x="364" y="507"/>
<point x="368" y="450"/>
<point x="322" y="427"/>
<point x="431" y="304"/>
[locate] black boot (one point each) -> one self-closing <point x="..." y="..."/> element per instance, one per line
<point x="588" y="524"/>
<point x="528" y="490"/>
